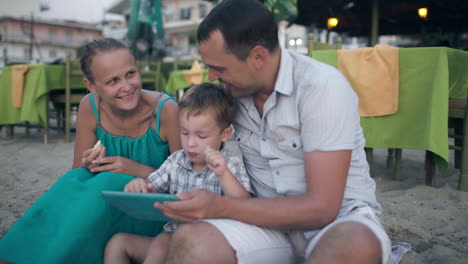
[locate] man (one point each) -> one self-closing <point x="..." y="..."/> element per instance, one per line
<point x="299" y="132"/>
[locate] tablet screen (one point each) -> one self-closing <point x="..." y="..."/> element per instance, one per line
<point x="139" y="205"/>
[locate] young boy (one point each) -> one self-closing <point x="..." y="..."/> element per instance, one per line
<point x="206" y="112"/>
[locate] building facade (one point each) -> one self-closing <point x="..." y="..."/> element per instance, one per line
<point x="31" y="40"/>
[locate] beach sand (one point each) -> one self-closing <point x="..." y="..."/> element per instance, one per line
<point x="433" y="220"/>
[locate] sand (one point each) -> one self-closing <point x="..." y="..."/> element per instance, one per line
<point x="433" y="220"/>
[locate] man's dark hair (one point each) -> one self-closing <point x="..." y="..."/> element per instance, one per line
<point x="212" y="98"/>
<point x="244" y="24"/>
<point x="95" y="47"/>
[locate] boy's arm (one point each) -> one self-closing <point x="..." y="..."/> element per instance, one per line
<point x="230" y="185"/>
<point x="159" y="180"/>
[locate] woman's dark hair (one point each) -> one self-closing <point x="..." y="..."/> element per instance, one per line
<point x="95" y="47"/>
<point x="244" y="24"/>
<point x="212" y="98"/>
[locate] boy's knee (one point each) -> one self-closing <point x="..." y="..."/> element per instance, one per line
<point x="116" y="242"/>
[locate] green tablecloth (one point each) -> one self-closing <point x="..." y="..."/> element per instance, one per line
<point x="39" y="80"/>
<point x="177" y="81"/>
<point x="428" y="78"/>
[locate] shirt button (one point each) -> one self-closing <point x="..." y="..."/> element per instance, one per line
<point x="294" y="145"/>
<point x="277" y="173"/>
<point x="263" y="139"/>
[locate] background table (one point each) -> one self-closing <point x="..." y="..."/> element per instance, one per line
<point x="39" y="80"/>
<point x="177" y="81"/>
<point x="428" y="78"/>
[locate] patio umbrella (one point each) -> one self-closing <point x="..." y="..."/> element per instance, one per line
<point x="145" y="31"/>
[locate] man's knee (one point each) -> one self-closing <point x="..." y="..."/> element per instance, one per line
<point x="199" y="242"/>
<point x="362" y="237"/>
<point x="189" y="238"/>
<point x="351" y="240"/>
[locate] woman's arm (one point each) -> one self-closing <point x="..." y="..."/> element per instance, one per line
<point x="169" y="127"/>
<point x="85" y="132"/>
<point x="96" y="160"/>
<point x="169" y="131"/>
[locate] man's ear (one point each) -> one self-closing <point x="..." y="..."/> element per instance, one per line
<point x="226" y="134"/>
<point x="258" y="56"/>
<point x="89" y="85"/>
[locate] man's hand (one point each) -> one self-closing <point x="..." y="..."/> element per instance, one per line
<point x="194" y="205"/>
<point x="216" y="161"/>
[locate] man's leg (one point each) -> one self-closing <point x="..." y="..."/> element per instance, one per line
<point x="199" y="242"/>
<point x="123" y="248"/>
<point x="347" y="242"/>
<point x="229" y="241"/>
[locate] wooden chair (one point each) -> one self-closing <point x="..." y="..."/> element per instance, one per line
<point x="150" y="72"/>
<point x="458" y="114"/>
<point x="63" y="101"/>
<point x="181" y="65"/>
<point x="313" y="45"/>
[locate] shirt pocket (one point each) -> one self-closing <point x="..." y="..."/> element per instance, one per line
<point x="290" y="143"/>
<point x="247" y="141"/>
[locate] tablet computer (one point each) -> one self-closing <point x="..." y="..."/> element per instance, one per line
<point x="139" y="205"/>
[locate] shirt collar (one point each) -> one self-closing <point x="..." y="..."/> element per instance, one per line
<point x="284" y="79"/>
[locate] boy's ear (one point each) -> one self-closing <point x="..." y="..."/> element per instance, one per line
<point x="89" y="85"/>
<point x="227" y="134"/>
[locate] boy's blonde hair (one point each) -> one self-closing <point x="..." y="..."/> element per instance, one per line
<point x="209" y="97"/>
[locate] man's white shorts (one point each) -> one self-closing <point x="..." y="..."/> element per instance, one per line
<point x="258" y="245"/>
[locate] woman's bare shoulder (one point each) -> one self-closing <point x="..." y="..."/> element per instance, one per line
<point x="85" y="110"/>
<point x="170" y="107"/>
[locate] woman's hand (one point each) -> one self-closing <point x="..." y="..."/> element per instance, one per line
<point x="90" y="155"/>
<point x="119" y="164"/>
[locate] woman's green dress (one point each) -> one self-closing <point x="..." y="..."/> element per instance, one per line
<point x="71" y="222"/>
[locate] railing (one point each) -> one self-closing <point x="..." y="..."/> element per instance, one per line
<point x="21" y="38"/>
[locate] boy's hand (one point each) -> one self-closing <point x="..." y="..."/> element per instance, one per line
<point x="137" y="185"/>
<point x="215" y="161"/>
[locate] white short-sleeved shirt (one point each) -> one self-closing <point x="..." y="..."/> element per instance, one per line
<point x="312" y="108"/>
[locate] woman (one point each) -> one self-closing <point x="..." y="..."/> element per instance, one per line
<point x="138" y="129"/>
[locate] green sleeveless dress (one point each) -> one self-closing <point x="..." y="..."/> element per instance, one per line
<point x="71" y="222"/>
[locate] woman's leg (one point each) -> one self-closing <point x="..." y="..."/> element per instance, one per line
<point x="71" y="223"/>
